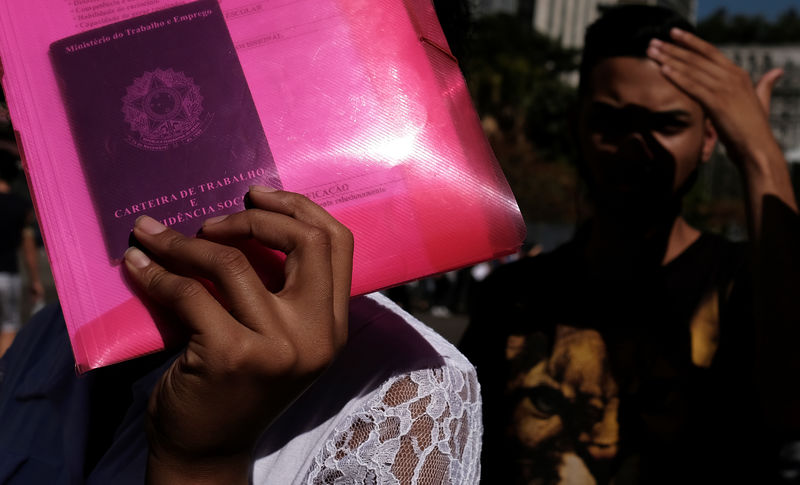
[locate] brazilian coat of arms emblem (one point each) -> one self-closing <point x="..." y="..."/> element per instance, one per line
<point x="164" y="109"/>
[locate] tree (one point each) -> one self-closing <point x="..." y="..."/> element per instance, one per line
<point x="517" y="79"/>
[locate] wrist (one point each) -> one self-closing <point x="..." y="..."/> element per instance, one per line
<point x="171" y="464"/>
<point x="765" y="167"/>
<point x="765" y="173"/>
<point x="166" y="468"/>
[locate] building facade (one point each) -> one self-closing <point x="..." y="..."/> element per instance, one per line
<point x="566" y="20"/>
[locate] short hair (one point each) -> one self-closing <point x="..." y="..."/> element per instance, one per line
<point x="626" y="31"/>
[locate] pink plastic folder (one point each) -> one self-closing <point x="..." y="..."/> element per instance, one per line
<point x="364" y="110"/>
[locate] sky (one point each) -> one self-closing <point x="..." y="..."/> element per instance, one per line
<point x="769" y="8"/>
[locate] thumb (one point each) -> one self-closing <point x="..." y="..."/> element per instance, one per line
<point x="765" y="85"/>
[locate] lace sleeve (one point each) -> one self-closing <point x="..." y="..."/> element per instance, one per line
<point x="423" y="427"/>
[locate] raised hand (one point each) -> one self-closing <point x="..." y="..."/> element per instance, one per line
<point x="739" y="111"/>
<point x="737" y="108"/>
<point x="251" y="351"/>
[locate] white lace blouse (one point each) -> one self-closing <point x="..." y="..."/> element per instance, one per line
<point x="399" y="406"/>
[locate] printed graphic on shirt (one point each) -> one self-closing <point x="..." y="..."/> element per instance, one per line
<point x="564" y="401"/>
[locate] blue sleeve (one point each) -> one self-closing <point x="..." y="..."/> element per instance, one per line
<point x="43" y="406"/>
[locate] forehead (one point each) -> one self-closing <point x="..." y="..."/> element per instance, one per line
<point x="622" y="81"/>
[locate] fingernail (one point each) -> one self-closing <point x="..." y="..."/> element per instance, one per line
<point x="214" y="220"/>
<point x="655" y="42"/>
<point x="261" y="188"/>
<point x="676" y="31"/>
<point x="150" y="226"/>
<point x="137" y="258"/>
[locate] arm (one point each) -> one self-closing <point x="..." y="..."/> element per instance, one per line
<point x="247" y="359"/>
<point x="419" y="427"/>
<point x="739" y="112"/>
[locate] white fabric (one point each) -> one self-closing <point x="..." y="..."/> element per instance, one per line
<point x="401" y="406"/>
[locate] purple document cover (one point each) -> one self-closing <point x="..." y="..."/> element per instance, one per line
<point x="163" y="119"/>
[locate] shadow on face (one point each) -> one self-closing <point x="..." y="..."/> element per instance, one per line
<point x="641" y="139"/>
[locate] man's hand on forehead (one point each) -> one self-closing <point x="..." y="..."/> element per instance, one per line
<point x="737" y="108"/>
<point x="739" y="111"/>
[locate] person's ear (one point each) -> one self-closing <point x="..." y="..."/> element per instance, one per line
<point x="709" y="139"/>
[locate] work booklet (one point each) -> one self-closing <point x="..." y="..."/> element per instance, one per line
<point x="163" y="120"/>
<point x="174" y="108"/>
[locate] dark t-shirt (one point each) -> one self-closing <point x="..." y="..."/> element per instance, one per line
<point x="643" y="376"/>
<point x="13" y="216"/>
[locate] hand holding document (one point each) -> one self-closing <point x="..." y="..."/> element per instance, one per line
<point x="131" y="107"/>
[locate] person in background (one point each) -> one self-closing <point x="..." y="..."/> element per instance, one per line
<point x="16" y="231"/>
<point x="643" y="350"/>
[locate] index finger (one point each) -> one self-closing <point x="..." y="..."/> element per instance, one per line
<point x="695" y="43"/>
<point x="302" y="210"/>
<point x="239" y="286"/>
<point x="196" y="308"/>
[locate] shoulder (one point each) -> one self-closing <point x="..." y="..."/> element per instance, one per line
<point x="422" y="422"/>
<point x="713" y="259"/>
<point x="514" y="293"/>
<point x="400" y="402"/>
<point x="433" y="369"/>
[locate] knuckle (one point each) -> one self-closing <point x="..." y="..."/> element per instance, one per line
<point x="285" y="355"/>
<point x="185" y="288"/>
<point x="174" y="242"/>
<point x="316" y="236"/>
<point x="230" y="260"/>
<point x="297" y="199"/>
<point x="166" y="287"/>
<point x="156" y="283"/>
<point x="292" y="201"/>
<point x="239" y="356"/>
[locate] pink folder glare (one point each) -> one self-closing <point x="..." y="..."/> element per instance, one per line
<point x="365" y="111"/>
